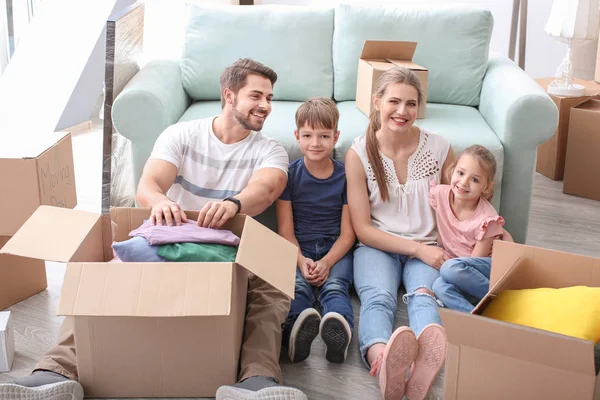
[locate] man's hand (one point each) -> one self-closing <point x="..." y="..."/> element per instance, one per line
<point x="169" y="211"/>
<point x="306" y="264"/>
<point x="214" y="214"/>
<point x="321" y="273"/>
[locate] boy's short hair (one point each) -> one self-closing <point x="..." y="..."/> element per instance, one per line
<point x="235" y="76"/>
<point x="318" y="113"/>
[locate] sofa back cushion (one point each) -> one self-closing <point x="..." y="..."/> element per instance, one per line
<point x="452" y="43"/>
<point x="294" y="41"/>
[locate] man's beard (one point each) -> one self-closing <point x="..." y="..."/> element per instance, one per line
<point x="245" y="121"/>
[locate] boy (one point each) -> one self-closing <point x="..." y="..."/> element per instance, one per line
<point x="312" y="212"/>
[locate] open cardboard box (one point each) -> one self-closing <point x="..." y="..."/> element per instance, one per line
<point x="35" y="169"/>
<point x="490" y="359"/>
<point x="376" y="58"/>
<point x="168" y="329"/>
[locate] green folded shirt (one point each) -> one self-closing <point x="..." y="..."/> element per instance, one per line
<point x="198" y="252"/>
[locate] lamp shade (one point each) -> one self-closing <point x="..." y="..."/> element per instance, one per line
<point x="573" y="19"/>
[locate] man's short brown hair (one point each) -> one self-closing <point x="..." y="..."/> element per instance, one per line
<point x="318" y="113"/>
<point x="236" y="75"/>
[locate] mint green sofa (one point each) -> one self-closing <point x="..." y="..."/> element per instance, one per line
<point x="473" y="97"/>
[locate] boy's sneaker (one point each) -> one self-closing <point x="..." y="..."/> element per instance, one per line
<point x="304" y="331"/>
<point x="336" y="334"/>
<point x="42" y="385"/>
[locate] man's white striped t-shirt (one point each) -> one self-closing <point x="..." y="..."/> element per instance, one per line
<point x="208" y="169"/>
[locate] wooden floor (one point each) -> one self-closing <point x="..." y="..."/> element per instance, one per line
<point x="557" y="221"/>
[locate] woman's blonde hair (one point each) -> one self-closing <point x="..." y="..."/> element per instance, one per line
<point x="486" y="160"/>
<point x="391" y="76"/>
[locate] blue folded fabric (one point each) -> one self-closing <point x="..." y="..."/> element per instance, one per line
<point x="137" y="249"/>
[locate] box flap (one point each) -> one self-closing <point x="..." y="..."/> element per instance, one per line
<point x="543" y="268"/>
<point x="519" y="342"/>
<point x="28" y="146"/>
<point x="384" y="50"/>
<point x="408" y="64"/>
<point x="147" y="289"/>
<point x="54" y="234"/>
<point x="268" y="255"/>
<point x="505" y="282"/>
<point x="592" y="105"/>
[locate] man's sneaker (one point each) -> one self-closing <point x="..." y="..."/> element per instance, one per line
<point x="36" y="387"/>
<point x="259" y="388"/>
<point x="336" y="335"/>
<point x="304" y="331"/>
<point x="430" y="360"/>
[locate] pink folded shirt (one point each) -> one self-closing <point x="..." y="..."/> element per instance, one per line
<point x="186" y="232"/>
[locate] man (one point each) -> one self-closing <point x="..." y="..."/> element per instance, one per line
<point x="222" y="166"/>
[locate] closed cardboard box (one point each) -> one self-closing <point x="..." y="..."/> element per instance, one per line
<point x="582" y="163"/>
<point x="378" y="57"/>
<point x="551" y="154"/>
<point x="168" y="329"/>
<point x="490" y="359"/>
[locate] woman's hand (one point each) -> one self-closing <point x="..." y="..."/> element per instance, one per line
<point x="433" y="256"/>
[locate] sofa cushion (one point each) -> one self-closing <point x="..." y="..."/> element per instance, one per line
<point x="452" y="43"/>
<point x="294" y="41"/>
<point x="279" y="125"/>
<point x="463" y="126"/>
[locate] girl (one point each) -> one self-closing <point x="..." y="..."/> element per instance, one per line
<point x="388" y="172"/>
<point x="467" y="225"/>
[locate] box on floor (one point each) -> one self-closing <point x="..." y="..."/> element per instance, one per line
<point x="378" y="57"/>
<point x="551" y="154"/>
<point x="583" y="151"/>
<point x="490" y="359"/>
<point x="169" y="329"/>
<point x="35" y="170"/>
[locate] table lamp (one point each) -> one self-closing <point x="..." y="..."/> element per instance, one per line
<point x="571" y="20"/>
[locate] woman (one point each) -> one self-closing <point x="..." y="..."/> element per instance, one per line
<point x="388" y="172"/>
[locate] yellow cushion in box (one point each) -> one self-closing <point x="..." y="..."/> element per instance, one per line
<point x="572" y="311"/>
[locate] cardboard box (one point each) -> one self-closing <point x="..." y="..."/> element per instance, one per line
<point x="168" y="329"/>
<point x="490" y="359"/>
<point x="20" y="278"/>
<point x="583" y="151"/>
<point x="376" y="58"/>
<point x="551" y="154"/>
<point x="35" y="170"/>
<point x="7" y="342"/>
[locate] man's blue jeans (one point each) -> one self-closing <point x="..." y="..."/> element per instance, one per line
<point x="334" y="295"/>
<point x="463" y="282"/>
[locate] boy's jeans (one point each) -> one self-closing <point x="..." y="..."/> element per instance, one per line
<point x="463" y="281"/>
<point x="334" y="295"/>
<point x="377" y="278"/>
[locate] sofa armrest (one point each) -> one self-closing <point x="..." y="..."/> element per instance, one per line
<point x="153" y="100"/>
<point x="523" y="116"/>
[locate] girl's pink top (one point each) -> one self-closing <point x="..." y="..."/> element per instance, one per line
<point x="457" y="237"/>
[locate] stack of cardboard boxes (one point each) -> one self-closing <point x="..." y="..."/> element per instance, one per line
<point x="574" y="150"/>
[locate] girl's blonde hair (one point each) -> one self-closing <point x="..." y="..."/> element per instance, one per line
<point x="391" y="76"/>
<point x="486" y="160"/>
